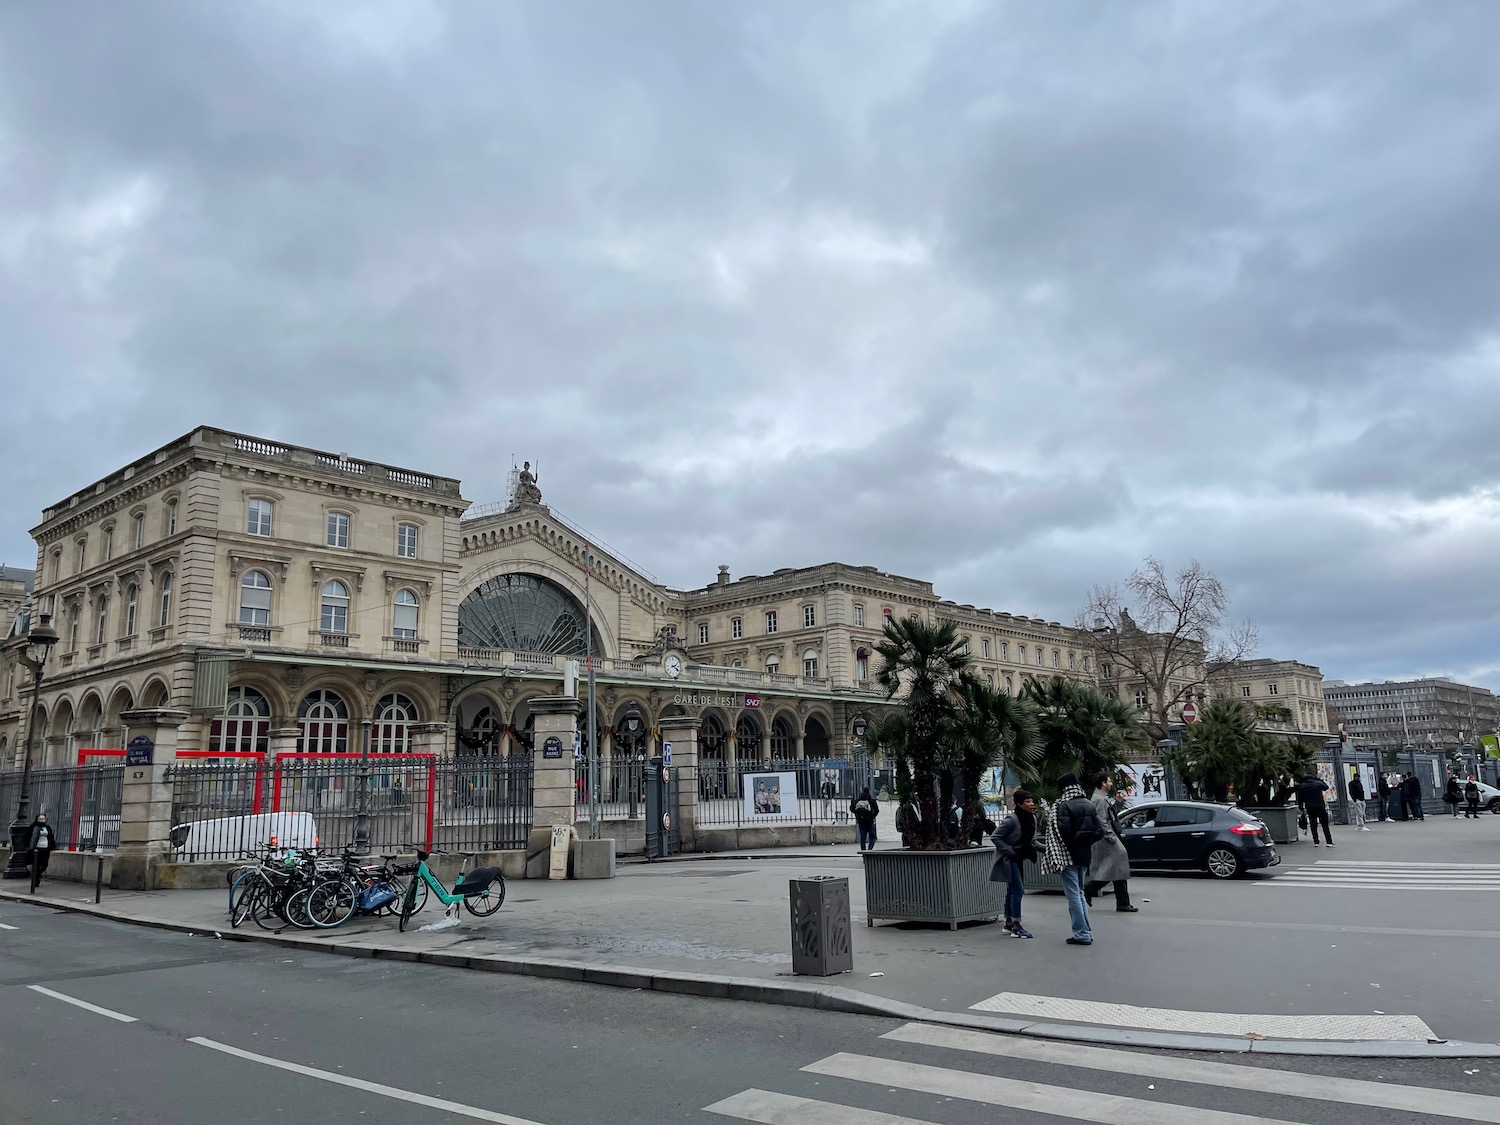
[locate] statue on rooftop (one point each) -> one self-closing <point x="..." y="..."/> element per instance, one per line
<point x="526" y="490"/>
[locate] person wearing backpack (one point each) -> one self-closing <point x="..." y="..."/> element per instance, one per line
<point x="865" y="809"/>
<point x="1471" y="799"/>
<point x="1075" y="830"/>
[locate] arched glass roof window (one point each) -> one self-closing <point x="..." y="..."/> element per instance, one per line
<point x="523" y="613"/>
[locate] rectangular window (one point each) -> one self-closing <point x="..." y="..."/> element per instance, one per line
<point x="810" y="667"/>
<point x="1271" y="689"/>
<point x="101" y="622"/>
<point x="736" y="627"/>
<point x="1056" y="659"/>
<point x="138" y="532"/>
<point x="1072" y="662"/>
<point x="258" y="517"/>
<point x="809" y="616"/>
<point x="172" y="518"/>
<point x="83" y="550"/>
<point x="164" y="601"/>
<point x="132" y="599"/>
<point x="1245" y="690"/>
<point x="338" y="529"/>
<point x="703" y="634"/>
<point x="109" y="543"/>
<point x="1039" y="656"/>
<point x="404" y="620"/>
<point x="1140" y="701"/>
<point x="771" y="621"/>
<point x="1021" y="653"/>
<point x="984" y="647"/>
<point x="406" y="540"/>
<point x="1085" y="663"/>
<point x="862" y="669"/>
<point x="1004" y="650"/>
<point x="887" y="615"/>
<point x="859" y="615"/>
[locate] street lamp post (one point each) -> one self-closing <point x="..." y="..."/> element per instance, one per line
<point x="362" y="797"/>
<point x="42" y="636"/>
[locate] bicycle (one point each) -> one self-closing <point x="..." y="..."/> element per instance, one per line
<point x="482" y="891"/>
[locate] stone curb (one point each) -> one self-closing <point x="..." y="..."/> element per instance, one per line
<point x="795" y="994"/>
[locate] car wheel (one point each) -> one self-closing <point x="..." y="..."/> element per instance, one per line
<point x="1494" y="805"/>
<point x="1222" y="863"/>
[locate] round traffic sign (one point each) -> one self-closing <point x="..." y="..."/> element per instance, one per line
<point x="1189" y="712"/>
<point x="666" y="821"/>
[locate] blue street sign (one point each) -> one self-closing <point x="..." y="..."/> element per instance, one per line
<point x="666" y="753"/>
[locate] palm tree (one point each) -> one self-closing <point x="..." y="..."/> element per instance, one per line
<point x="927" y="662"/>
<point x="1081" y="730"/>
<point x="989" y="728"/>
<point x="1217" y="750"/>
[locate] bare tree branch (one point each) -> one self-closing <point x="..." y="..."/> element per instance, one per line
<point x="1162" y="635"/>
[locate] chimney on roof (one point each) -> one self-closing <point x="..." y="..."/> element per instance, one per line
<point x="723" y="574"/>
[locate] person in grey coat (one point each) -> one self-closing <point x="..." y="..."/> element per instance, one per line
<point x="1109" y="862"/>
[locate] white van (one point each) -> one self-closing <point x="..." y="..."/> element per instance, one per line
<point x="231" y="836"/>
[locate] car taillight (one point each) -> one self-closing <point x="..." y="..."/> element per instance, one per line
<point x="1246" y="830"/>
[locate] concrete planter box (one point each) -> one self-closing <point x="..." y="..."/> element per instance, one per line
<point x="1280" y="819"/>
<point x="946" y="887"/>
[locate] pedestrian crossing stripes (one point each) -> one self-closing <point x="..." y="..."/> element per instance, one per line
<point x="881" y="1077"/>
<point x="1377" y="875"/>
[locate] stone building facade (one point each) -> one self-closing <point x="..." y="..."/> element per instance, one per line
<point x="1286" y="695"/>
<point x="285" y="596"/>
<point x="1431" y="712"/>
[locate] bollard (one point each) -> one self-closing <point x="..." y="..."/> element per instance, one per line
<point x="98" y="877"/>
<point x="821" y="940"/>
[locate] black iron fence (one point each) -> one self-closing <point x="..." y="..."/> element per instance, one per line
<point x="622" y="786"/>
<point x="82" y="803"/>
<point x="778" y="792"/>
<point x="223" y="808"/>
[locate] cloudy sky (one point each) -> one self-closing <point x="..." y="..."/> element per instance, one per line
<point x="1006" y="296"/>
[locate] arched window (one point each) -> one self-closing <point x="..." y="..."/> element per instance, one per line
<point x="783" y="739"/>
<point x="132" y="607"/>
<point x="324" y="718"/>
<point x="255" y="600"/>
<point x="335" y="615"/>
<point x="245" y="724"/>
<point x="394" y="715"/>
<point x="169" y="519"/>
<point x="404" y="616"/>
<point x="773" y="663"/>
<point x="810" y="663"/>
<point x="164" y="600"/>
<point x="101" y="620"/>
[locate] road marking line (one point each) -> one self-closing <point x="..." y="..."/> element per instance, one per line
<point x="1413" y="1099"/>
<point x="3" y="926"/>
<point x="84" y="1004"/>
<point x="1059" y="1101"/>
<point x="369" y="1087"/>
<point x="1280" y="1026"/>
<point x="1351" y="885"/>
<point x="783" y="1109"/>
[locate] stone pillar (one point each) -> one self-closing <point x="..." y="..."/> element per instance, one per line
<point x="682" y="732"/>
<point x="283" y="740"/>
<point x="429" y="738"/>
<point x="801" y="743"/>
<point x="765" y="744"/>
<point x="146" y="798"/>
<point x="553" y="796"/>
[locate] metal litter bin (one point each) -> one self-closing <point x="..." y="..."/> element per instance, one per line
<point x="821" y="941"/>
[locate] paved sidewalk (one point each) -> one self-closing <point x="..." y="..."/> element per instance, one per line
<point x="1237" y="959"/>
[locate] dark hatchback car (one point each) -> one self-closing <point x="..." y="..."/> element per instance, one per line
<point x="1220" y="839"/>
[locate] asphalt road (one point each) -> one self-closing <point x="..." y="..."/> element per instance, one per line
<point x="214" y="1026"/>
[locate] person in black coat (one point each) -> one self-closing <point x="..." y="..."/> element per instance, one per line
<point x="1411" y="798"/>
<point x="1076" y="824"/>
<point x="1015" y="843"/>
<point x="1471" y="799"/>
<point x="1314" y="806"/>
<point x="1357" y="801"/>
<point x="1383" y="791"/>
<point x="865" y="809"/>
<point x="1453" y="794"/>
<point x="43" y="841"/>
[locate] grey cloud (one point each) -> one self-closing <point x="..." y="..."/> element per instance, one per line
<point x="1005" y="296"/>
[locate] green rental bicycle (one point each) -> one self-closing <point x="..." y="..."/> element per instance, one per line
<point x="482" y="891"/>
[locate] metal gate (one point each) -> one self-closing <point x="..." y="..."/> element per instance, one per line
<point x="663" y="831"/>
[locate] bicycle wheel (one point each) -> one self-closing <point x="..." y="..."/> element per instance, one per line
<point x="242" y="897"/>
<point x="264" y="907"/>
<point x="408" y="903"/>
<point x="332" y="903"/>
<point x="487" y="901"/>
<point x="295" y="909"/>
